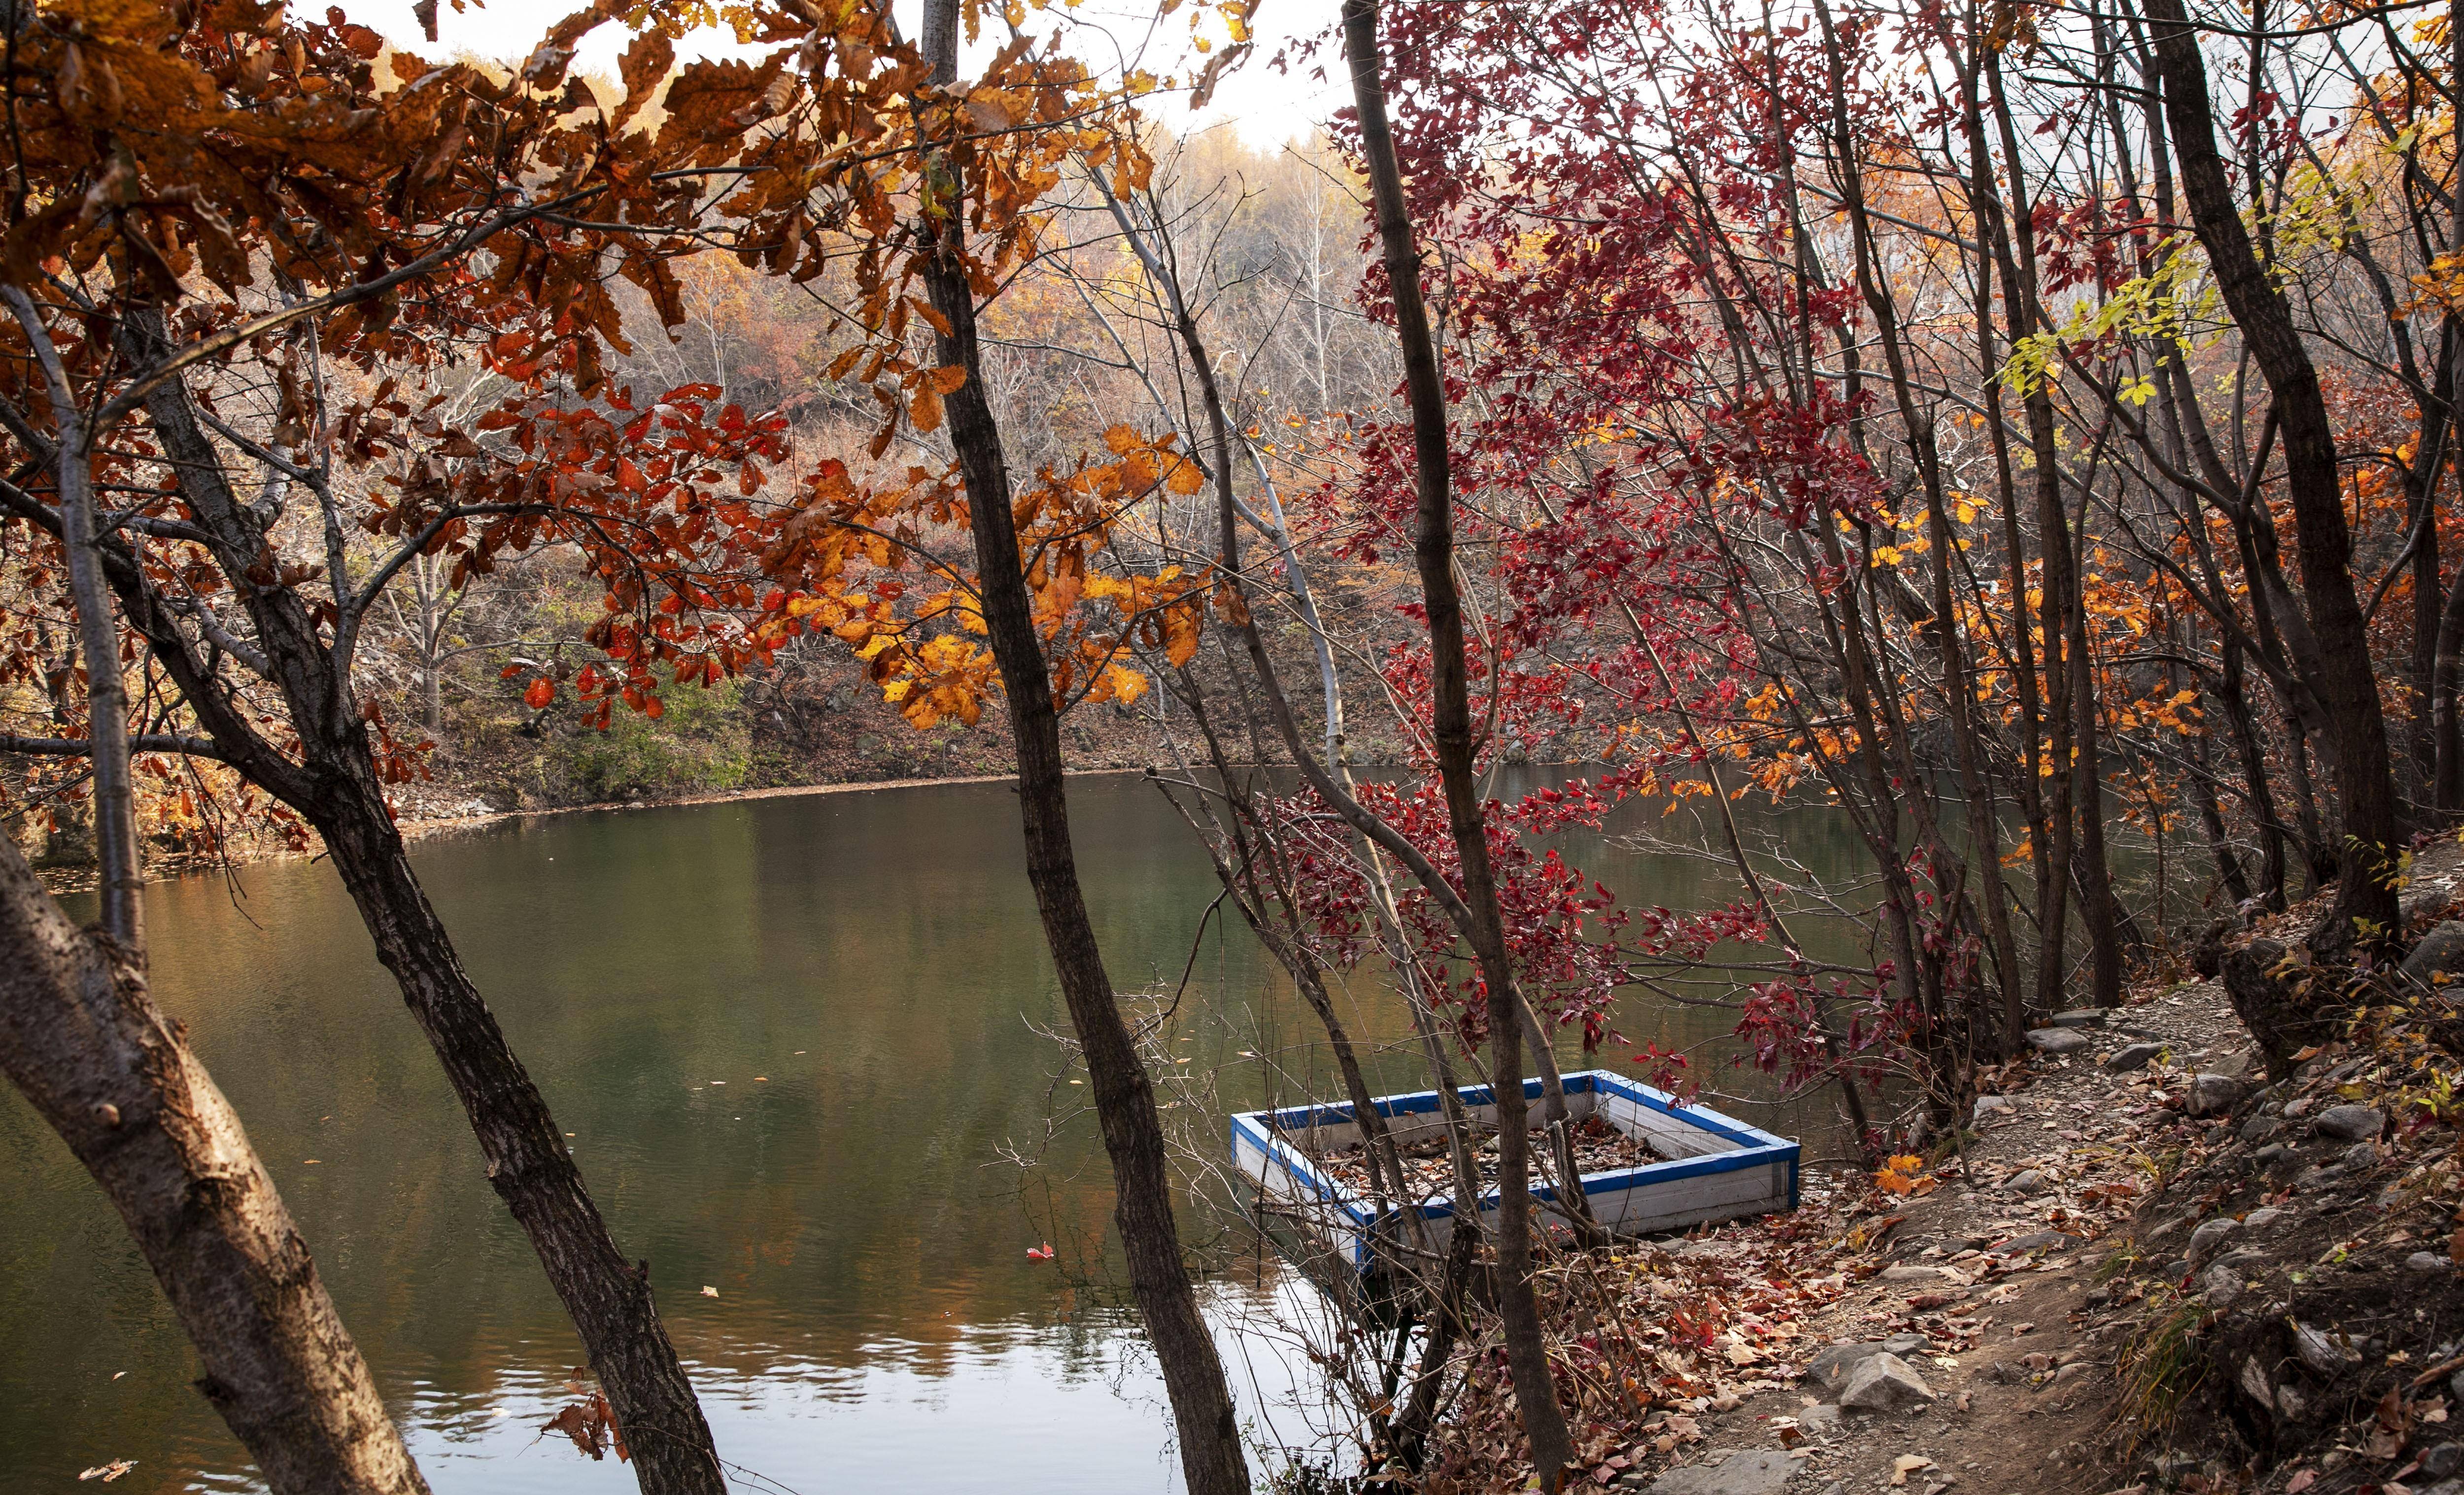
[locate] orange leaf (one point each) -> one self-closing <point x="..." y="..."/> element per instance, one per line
<point x="542" y="691"/>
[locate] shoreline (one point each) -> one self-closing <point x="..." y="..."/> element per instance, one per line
<point x="422" y="827"/>
<point x="416" y="828"/>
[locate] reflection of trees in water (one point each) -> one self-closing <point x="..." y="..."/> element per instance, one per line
<point x="860" y="1213"/>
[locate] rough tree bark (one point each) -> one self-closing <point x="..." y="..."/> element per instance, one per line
<point x="83" y="1040"/>
<point x="1211" y="1456"/>
<point x="336" y="787"/>
<point x="1535" y="1391"/>
<point x="2356" y="723"/>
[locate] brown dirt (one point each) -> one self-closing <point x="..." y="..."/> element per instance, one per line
<point x="1598" y="1148"/>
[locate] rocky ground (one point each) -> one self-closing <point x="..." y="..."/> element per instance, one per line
<point x="2148" y="1266"/>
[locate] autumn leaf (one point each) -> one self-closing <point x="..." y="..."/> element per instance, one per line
<point x="541" y="691"/>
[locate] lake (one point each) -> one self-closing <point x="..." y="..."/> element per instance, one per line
<point x="801" y="1045"/>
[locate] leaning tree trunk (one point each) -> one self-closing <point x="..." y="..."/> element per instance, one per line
<point x="80" y="1037"/>
<point x="1212" y="1459"/>
<point x="2346" y="685"/>
<point x="1535" y="1390"/>
<point x="337" y="790"/>
<point x="608" y="1299"/>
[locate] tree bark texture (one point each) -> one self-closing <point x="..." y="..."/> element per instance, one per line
<point x="83" y="1040"/>
<point x="2344" y="683"/>
<point x="1535" y="1391"/>
<point x="337" y="790"/>
<point x="1212" y="1459"/>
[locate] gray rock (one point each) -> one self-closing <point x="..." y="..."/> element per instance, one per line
<point x="2417" y="904"/>
<point x="2220" y="1286"/>
<point x="2258" y="1129"/>
<point x="2360" y="1157"/>
<point x="1830" y="1367"/>
<point x="2271" y="1152"/>
<point x="2212" y="1094"/>
<point x="2455" y="1387"/>
<point x="2442" y="1459"/>
<point x="2352" y="1123"/>
<point x="1993" y="1106"/>
<point x="1883" y="1383"/>
<point x="2059" y="1040"/>
<point x="2441" y="952"/>
<point x="2073" y="1371"/>
<point x="2024" y="1182"/>
<point x="2261" y="1219"/>
<point x="2078" y="1018"/>
<point x="2424" y="1261"/>
<point x="2135" y="1058"/>
<point x="2323" y="1351"/>
<point x="2444" y="1487"/>
<point x="2209" y="1238"/>
<point x="1913" y="1274"/>
<point x="1820" y="1417"/>
<point x="2035" y="1240"/>
<point x="1761" y="1472"/>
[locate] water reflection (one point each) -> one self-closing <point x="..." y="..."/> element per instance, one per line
<point x="794" y="1041"/>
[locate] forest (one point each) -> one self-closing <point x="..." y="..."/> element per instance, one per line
<point x="2021" y="430"/>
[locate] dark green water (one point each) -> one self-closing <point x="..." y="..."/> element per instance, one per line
<point x="797" y="1042"/>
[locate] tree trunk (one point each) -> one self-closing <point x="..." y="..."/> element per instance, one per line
<point x="1535" y="1391"/>
<point x="608" y="1299"/>
<point x="83" y="1040"/>
<point x="337" y="790"/>
<point x="2447" y="679"/>
<point x="1211" y="1456"/>
<point x="2365" y="905"/>
<point x="2097" y="905"/>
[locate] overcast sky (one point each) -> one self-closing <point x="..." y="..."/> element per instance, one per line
<point x="1266" y="106"/>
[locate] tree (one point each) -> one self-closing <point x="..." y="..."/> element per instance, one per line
<point x="163" y="159"/>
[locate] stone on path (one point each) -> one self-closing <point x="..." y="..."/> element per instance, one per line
<point x="2133" y="1059"/>
<point x="1761" y="1472"/>
<point x="2059" y="1040"/>
<point x="1885" y="1383"/>
<point x="2441" y="951"/>
<point x="1914" y="1274"/>
<point x="2211" y="1095"/>
<point x="1992" y="1106"/>
<point x="1830" y="1367"/>
<point x="2351" y="1123"/>
<point x="2026" y="1181"/>
<point x="2424" y="1261"/>
<point x="2209" y="1238"/>
<point x="2078" y="1018"/>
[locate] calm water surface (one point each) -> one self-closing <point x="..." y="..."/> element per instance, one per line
<point x="801" y="1045"/>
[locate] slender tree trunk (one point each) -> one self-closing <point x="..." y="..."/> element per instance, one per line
<point x="1211" y="1456"/>
<point x="2015" y="250"/>
<point x="2097" y="904"/>
<point x="2447" y="681"/>
<point x="2365" y="780"/>
<point x="1535" y="1391"/>
<point x="106" y="689"/>
<point x="608" y="1298"/>
<point x="337" y="791"/>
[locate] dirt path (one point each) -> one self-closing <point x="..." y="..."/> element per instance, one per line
<point x="1987" y="1290"/>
